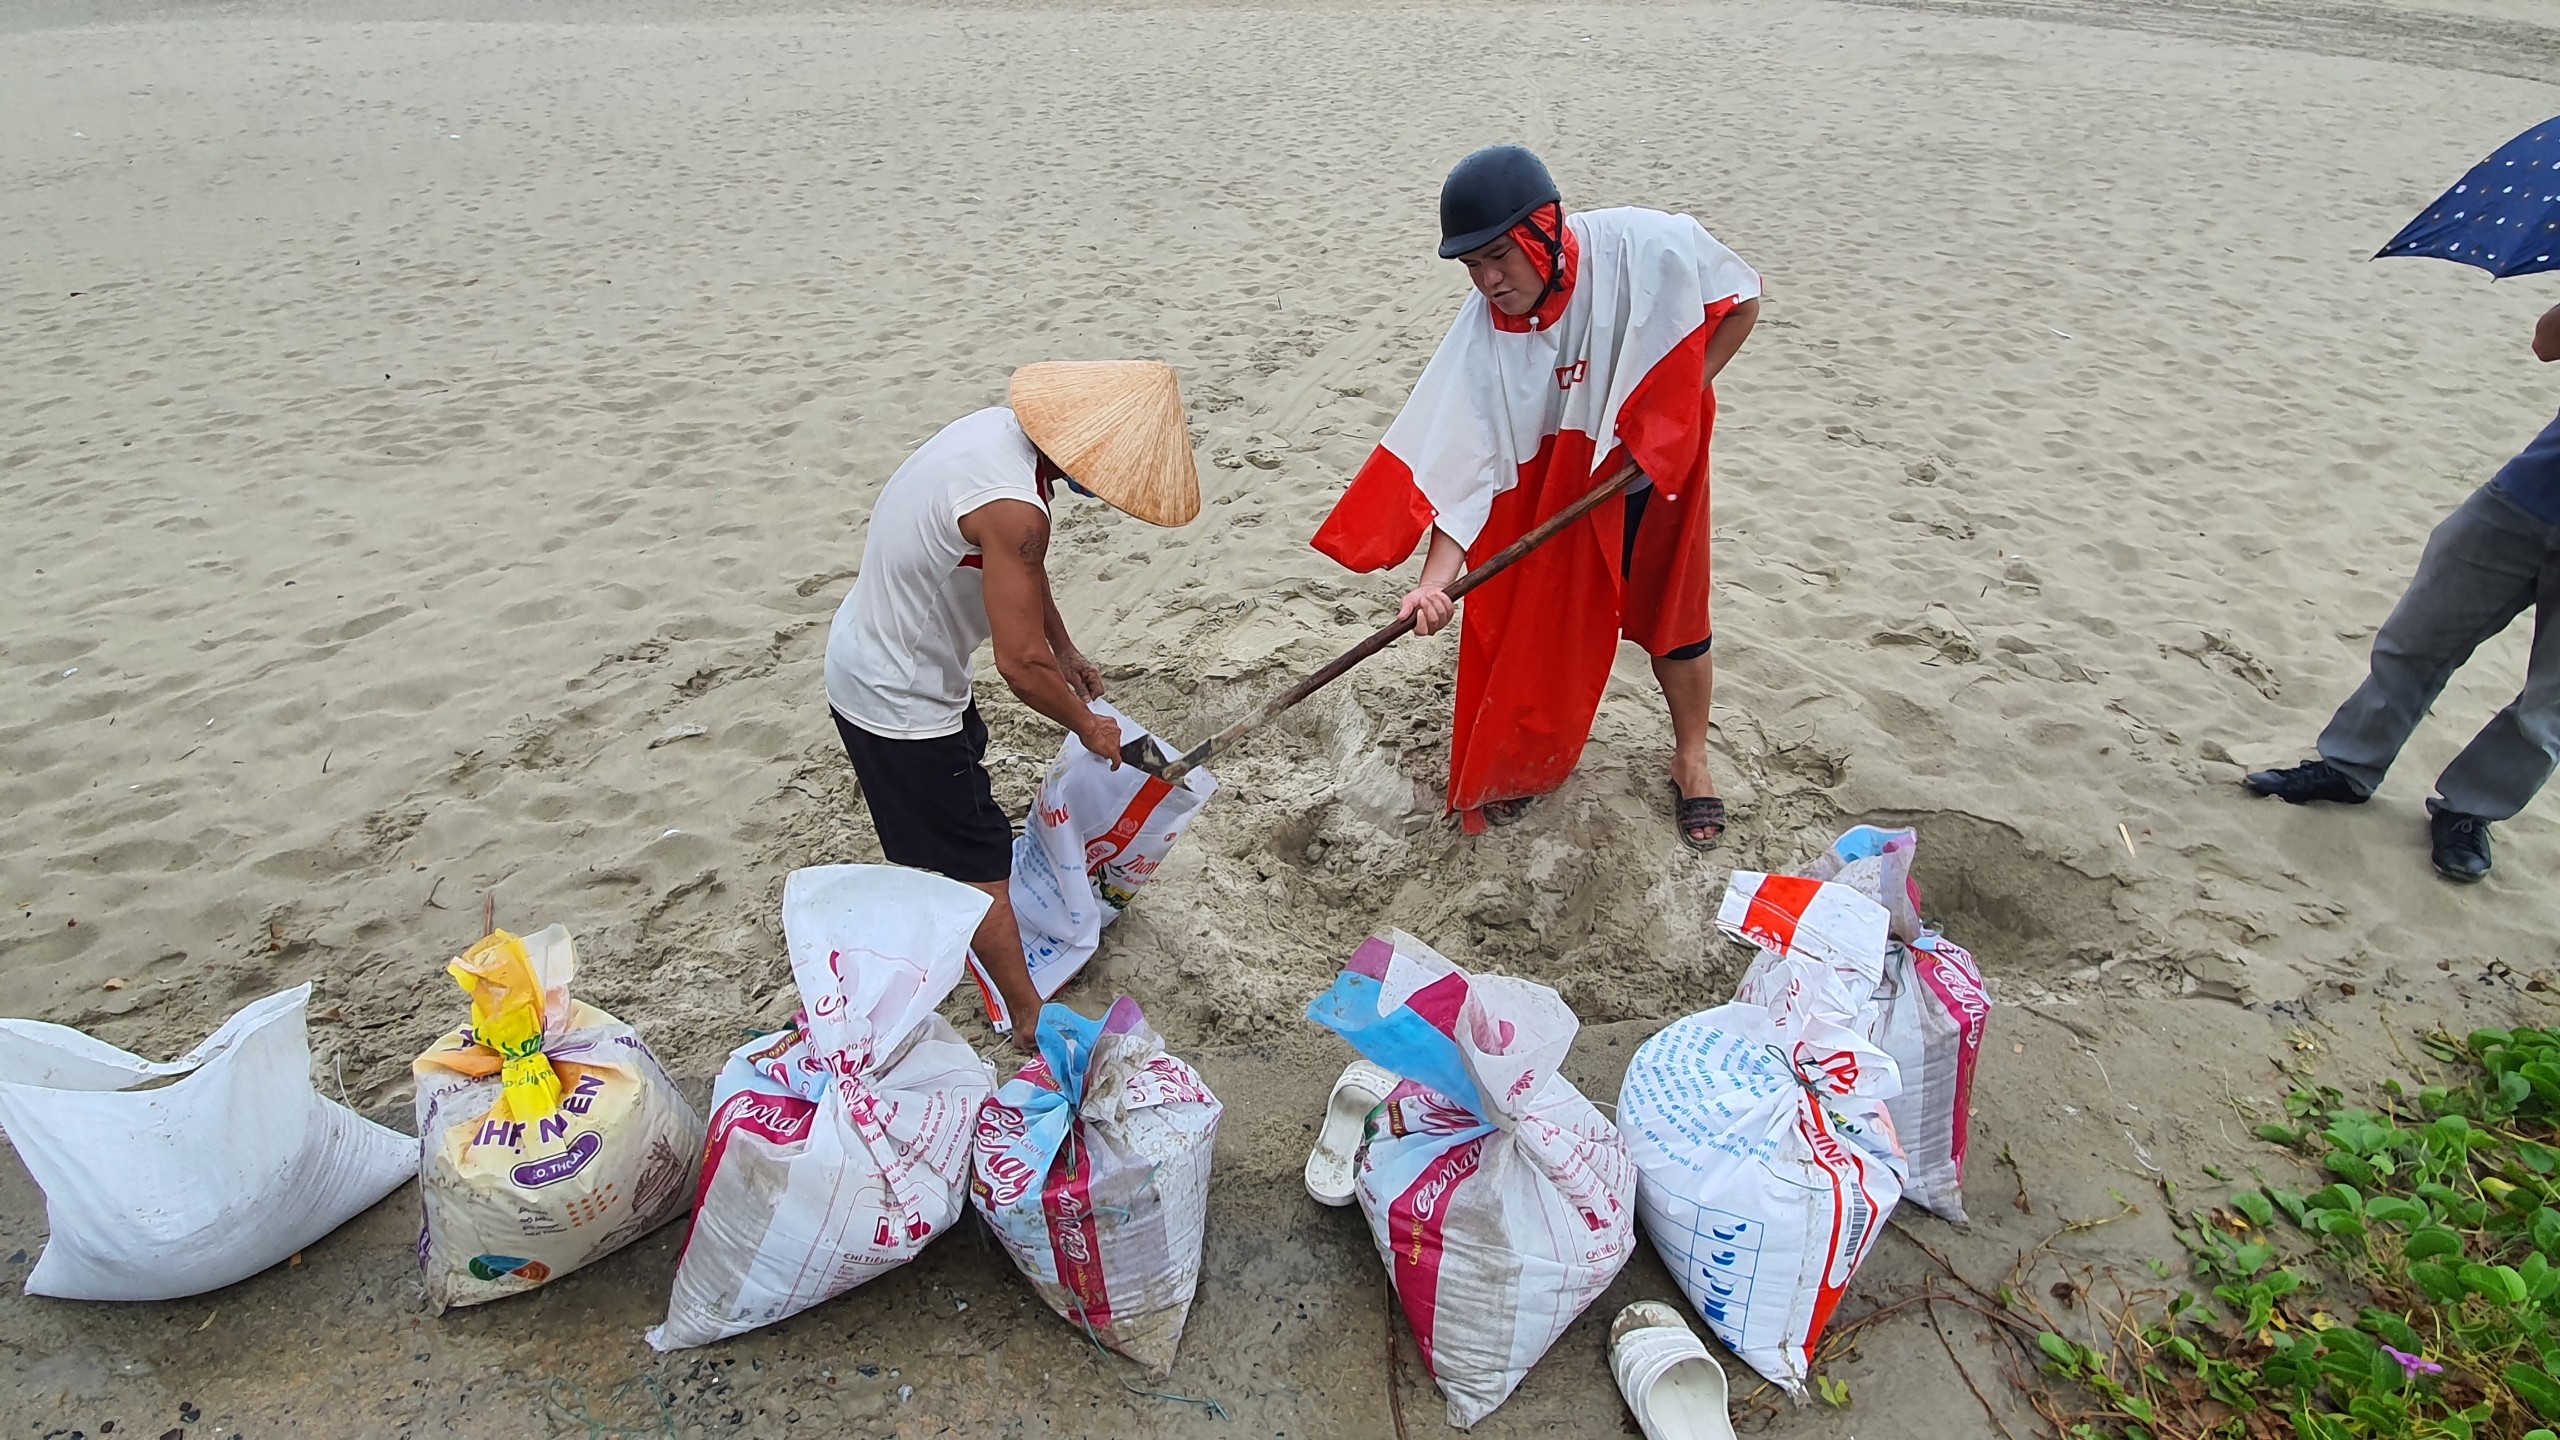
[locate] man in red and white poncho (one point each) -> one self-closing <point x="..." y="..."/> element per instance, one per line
<point x="1592" y="340"/>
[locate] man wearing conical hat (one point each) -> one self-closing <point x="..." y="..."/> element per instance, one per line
<point x="955" y="558"/>
<point x="1593" y="340"/>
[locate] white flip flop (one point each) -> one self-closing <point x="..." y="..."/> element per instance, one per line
<point x="1675" y="1388"/>
<point x="1362" y="1088"/>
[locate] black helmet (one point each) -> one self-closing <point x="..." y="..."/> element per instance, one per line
<point x="1488" y="193"/>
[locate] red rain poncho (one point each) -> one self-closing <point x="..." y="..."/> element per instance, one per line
<point x="1514" y="419"/>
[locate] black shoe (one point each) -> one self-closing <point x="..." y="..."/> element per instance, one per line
<point x="2311" y="780"/>
<point x="2460" y="845"/>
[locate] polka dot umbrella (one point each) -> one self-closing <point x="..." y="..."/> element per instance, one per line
<point x="2503" y="217"/>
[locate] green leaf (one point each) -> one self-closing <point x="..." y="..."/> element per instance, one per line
<point x="2546" y="1230"/>
<point x="2060" y="1351"/>
<point x="2359" y="1133"/>
<point x="2308" y="1425"/>
<point x="2430" y="1242"/>
<point x="2488" y="1040"/>
<point x="2277" y="1135"/>
<point x="2516" y="1291"/>
<point x="2514" y="1090"/>
<point x="2338" y="1197"/>
<point x="2395" y="1210"/>
<point x="2381" y="1415"/>
<point x="2260" y="1211"/>
<point x="2393" y="1330"/>
<point x="2485" y="1282"/>
<point x="2292" y="1204"/>
<point x="2541" y="1280"/>
<point x="2439" y="1283"/>
<point x="2460" y="1212"/>
<point x="2534" y="1388"/>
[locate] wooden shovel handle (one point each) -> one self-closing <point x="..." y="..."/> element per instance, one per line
<point x="1340" y="665"/>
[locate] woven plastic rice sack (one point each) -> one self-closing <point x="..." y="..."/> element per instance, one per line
<point x="550" y="1137"/>
<point x="1501" y="1200"/>
<point x="1769" y="1167"/>
<point x="1096" y="835"/>
<point x="229" y="1167"/>
<point x="840" y="1146"/>
<point x="1916" y="994"/>
<point x="1093" y="1168"/>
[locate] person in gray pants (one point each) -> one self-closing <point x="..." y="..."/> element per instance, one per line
<point x="2491" y="560"/>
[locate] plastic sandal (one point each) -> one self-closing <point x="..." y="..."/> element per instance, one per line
<point x="1362" y="1088"/>
<point x="1673" y="1385"/>
<point x="1698" y="812"/>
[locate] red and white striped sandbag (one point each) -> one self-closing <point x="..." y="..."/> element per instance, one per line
<point x="1836" y="947"/>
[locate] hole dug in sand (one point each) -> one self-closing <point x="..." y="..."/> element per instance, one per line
<point x="2028" y="918"/>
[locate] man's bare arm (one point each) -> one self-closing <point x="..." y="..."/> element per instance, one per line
<point x="2546" y="335"/>
<point x="1082" y="675"/>
<point x="1013" y="537"/>
<point x="1730" y="333"/>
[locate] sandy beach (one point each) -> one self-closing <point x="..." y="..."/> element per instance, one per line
<point x="410" y="413"/>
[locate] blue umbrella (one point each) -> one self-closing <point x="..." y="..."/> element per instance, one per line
<point x="2504" y="217"/>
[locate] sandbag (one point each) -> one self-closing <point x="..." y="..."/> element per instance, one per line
<point x="1769" y="1168"/>
<point x="228" y="1168"/>
<point x="1096" y="834"/>
<point x="1092" y="1166"/>
<point x="839" y="1146"/>
<point x="549" y="1135"/>
<point x="1501" y="1200"/>
<point x="1916" y="994"/>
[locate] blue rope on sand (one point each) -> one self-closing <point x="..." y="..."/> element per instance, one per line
<point x="1086" y="1325"/>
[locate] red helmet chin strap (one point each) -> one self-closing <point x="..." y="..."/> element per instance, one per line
<point x="1555" y="249"/>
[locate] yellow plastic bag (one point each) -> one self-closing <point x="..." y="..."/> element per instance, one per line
<point x="549" y="1135"/>
<point x="506" y="1016"/>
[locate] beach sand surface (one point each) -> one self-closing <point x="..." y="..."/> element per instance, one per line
<point x="409" y="414"/>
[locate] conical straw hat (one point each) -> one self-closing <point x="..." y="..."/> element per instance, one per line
<point x="1116" y="427"/>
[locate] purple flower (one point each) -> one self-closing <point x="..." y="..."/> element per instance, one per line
<point x="2413" y="1364"/>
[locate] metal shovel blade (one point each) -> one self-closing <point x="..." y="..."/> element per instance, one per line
<point x="1144" y="754"/>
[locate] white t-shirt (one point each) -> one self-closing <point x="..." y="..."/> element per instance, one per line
<point x="900" y="652"/>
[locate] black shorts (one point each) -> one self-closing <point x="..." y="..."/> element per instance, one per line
<point x="1627" y="566"/>
<point x="931" y="802"/>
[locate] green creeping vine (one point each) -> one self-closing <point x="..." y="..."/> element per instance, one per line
<point x="2440" y="1228"/>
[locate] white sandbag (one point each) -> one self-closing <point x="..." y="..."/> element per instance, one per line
<point x="229" y="1168"/>
<point x="1916" y="994"/>
<point x="840" y="1146"/>
<point x="1935" y="1009"/>
<point x="1093" y="1169"/>
<point x="1769" y="1168"/>
<point x="1096" y="834"/>
<point x="550" y="1136"/>
<point x="1501" y="1200"/>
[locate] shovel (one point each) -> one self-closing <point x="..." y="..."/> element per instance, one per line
<point x="1144" y="754"/>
